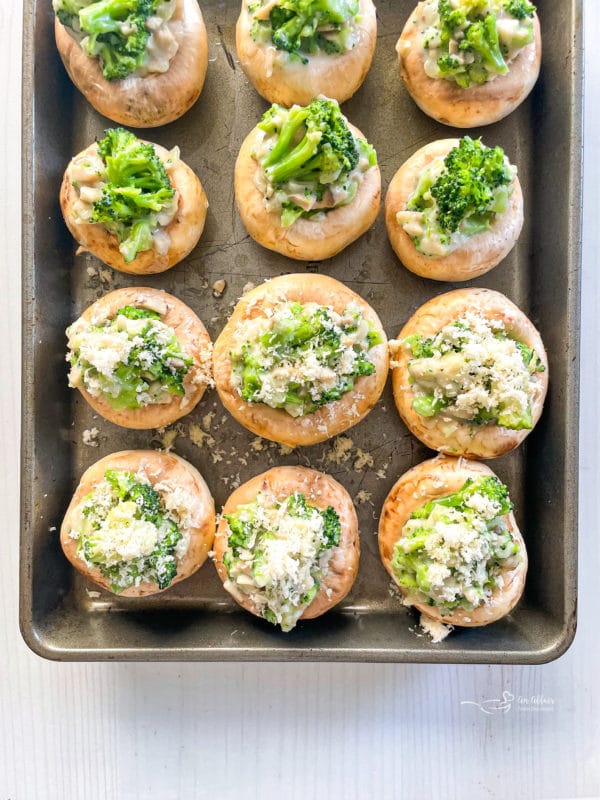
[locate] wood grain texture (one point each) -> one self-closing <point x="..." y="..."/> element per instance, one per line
<point x="133" y="731"/>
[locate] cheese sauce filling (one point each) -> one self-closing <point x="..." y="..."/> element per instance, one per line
<point x="453" y="549"/>
<point x="138" y="38"/>
<point x="473" y="371"/>
<point x="277" y="554"/>
<point x="473" y="41"/>
<point x="132" y="531"/>
<point x="132" y="360"/>
<point x="302" y="357"/>
<point x="297" y="29"/>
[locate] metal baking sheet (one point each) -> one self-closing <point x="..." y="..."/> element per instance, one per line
<point x="62" y="617"/>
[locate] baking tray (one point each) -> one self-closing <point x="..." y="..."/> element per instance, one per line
<point x="62" y="617"/>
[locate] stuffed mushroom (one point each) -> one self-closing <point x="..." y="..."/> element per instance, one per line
<point x="139" y="62"/>
<point x="140" y="521"/>
<point x="449" y="540"/>
<point x="470" y="63"/>
<point x="134" y="205"/>
<point x="294" y="50"/>
<point x="301" y="359"/>
<point x="454" y="210"/>
<point x="140" y="357"/>
<point x="470" y="374"/>
<point x="287" y="545"/>
<point x="307" y="183"/>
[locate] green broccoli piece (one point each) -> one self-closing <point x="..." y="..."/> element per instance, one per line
<point x="67" y="11"/>
<point x="313" y="147"/>
<point x="116" y="32"/>
<point x="468" y="185"/>
<point x="137" y="188"/>
<point x="135" y="312"/>
<point x="482" y="38"/>
<point x="333" y="528"/>
<point x="288" y="341"/>
<point x="294" y="25"/>
<point x="489" y="486"/>
<point x="520" y="9"/>
<point x="326" y="149"/>
<point x="472" y="26"/>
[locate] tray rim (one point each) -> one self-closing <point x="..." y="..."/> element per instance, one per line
<point x="289" y="654"/>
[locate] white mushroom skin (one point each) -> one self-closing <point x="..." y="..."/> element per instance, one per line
<point x="151" y="100"/>
<point x="281" y="80"/>
<point x="477" y="105"/>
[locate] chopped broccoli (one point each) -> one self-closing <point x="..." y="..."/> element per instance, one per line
<point x="470" y="46"/>
<point x="519" y="9"/>
<point x="300" y="335"/>
<point x="135" y="312"/>
<point x="429" y="560"/>
<point x="314" y="147"/>
<point x="473" y="187"/>
<point x="161" y="564"/>
<point x="489" y="486"/>
<point x="116" y="32"/>
<point x="137" y="189"/>
<point x="301" y="27"/>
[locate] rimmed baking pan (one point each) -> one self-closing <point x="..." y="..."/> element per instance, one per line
<point x="64" y="618"/>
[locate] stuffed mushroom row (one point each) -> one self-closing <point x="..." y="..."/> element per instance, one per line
<point x="287" y="545"/>
<point x="307" y="184"/>
<point x="303" y="358"/>
<point x="143" y="63"/>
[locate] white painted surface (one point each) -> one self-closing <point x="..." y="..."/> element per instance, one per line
<point x="130" y="731"/>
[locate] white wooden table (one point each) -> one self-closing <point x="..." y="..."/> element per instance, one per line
<point x="129" y="731"/>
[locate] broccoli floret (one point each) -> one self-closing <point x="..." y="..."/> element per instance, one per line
<point x="469" y="184"/>
<point x="489" y="486"/>
<point x="314" y="147"/>
<point x="327" y="146"/>
<point x="471" y="27"/>
<point x="116" y="32"/>
<point x="67" y="11"/>
<point x="482" y="38"/>
<point x="295" y="26"/>
<point x="137" y="188"/>
<point x="520" y="9"/>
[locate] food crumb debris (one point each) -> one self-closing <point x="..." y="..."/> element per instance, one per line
<point x="247" y="287"/>
<point x="437" y="630"/>
<point x="207" y="420"/>
<point x="257" y="444"/>
<point x="362" y="497"/>
<point x="340" y="450"/>
<point x="285" y="450"/>
<point x="52" y="528"/>
<point x="363" y="460"/>
<point x="91" y="271"/>
<point x="92" y="594"/>
<point x="168" y="436"/>
<point x="382" y="473"/>
<point x="90" y="437"/>
<point x="218" y="287"/>
<point x="106" y="276"/>
<point x="198" y="436"/>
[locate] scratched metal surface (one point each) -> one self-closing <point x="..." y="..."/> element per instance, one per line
<point x="197" y="619"/>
